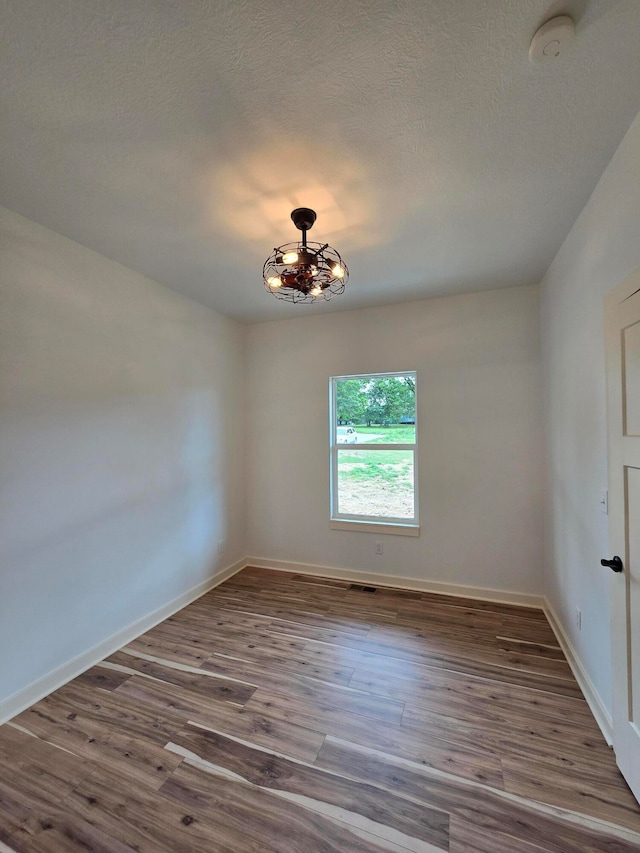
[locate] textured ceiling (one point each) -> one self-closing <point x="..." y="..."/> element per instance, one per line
<point x="176" y="137"/>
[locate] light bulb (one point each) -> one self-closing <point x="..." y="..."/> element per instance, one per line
<point x="274" y="281"/>
<point x="337" y="270"/>
<point x="316" y="291"/>
<point x="290" y="258"/>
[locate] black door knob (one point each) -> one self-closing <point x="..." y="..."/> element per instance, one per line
<point x="615" y="564"/>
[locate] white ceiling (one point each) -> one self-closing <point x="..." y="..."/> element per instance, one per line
<point x="176" y="136"/>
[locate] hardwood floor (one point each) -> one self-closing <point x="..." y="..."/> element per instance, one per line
<point x="287" y="713"/>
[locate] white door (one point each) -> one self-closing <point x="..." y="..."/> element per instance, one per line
<point x="622" y="318"/>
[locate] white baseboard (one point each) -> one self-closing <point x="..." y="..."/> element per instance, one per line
<point x="37" y="690"/>
<point x="598" y="708"/>
<point x="520" y="599"/>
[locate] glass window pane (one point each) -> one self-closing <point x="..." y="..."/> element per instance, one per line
<point x="375" y="483"/>
<point x="381" y="409"/>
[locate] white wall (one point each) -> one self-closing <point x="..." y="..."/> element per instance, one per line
<point x="601" y="250"/>
<point x="120" y="448"/>
<point x="477" y="358"/>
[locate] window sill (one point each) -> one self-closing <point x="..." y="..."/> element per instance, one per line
<point x="391" y="528"/>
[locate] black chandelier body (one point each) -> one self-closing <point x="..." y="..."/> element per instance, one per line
<point x="303" y="271"/>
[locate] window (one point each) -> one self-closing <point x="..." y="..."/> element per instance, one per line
<point x="373" y="452"/>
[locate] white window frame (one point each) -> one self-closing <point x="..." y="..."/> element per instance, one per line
<point x="370" y="523"/>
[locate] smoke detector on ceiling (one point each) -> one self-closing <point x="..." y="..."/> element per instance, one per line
<point x="552" y="39"/>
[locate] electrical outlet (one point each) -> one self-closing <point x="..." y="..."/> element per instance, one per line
<point x="604" y="501"/>
<point x="220" y="547"/>
<point x="578" y="619"/>
<point x="378" y="549"/>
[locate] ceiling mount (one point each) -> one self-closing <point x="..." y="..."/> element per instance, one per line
<point x="552" y="39"/>
<point x="303" y="218"/>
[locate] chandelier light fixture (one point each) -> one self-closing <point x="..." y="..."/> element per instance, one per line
<point x="303" y="271"/>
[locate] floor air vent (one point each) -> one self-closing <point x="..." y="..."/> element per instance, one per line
<point x="359" y="588"/>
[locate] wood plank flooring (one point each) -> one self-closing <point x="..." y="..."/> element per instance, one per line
<point x="293" y="714"/>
